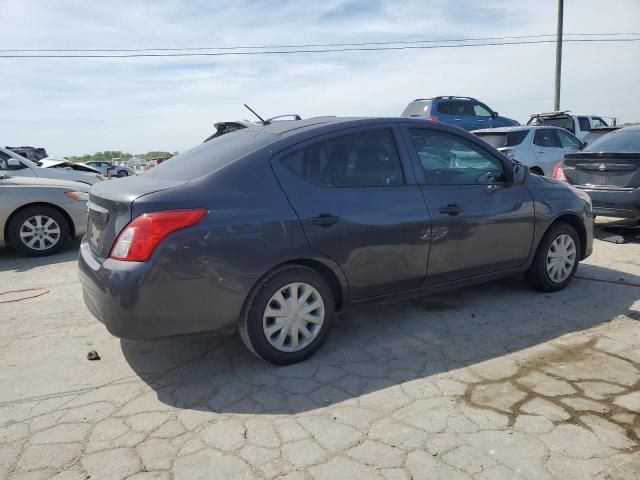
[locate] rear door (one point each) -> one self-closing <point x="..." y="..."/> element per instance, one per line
<point x="480" y="221"/>
<point x="355" y="195"/>
<point x="547" y="148"/>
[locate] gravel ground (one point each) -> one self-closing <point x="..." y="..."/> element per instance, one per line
<point x="488" y="382"/>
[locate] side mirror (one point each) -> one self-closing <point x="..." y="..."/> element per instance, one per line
<point x="519" y="172"/>
<point x="14" y="163"/>
<point x="494" y="114"/>
<point x="582" y="145"/>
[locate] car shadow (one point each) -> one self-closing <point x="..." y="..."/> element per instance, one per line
<point x="381" y="346"/>
<point x="11" y="259"/>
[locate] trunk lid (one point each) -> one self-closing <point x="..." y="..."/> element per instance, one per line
<point x="109" y="208"/>
<point x="608" y="171"/>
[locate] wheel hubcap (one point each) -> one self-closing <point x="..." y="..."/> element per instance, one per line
<point x="40" y="232"/>
<point x="561" y="258"/>
<point x="293" y="317"/>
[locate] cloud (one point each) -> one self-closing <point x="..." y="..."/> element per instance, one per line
<point x="74" y="106"/>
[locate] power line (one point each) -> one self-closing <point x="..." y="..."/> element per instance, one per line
<point x="308" y="45"/>
<point x="327" y="50"/>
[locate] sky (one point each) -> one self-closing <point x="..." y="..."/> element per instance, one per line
<point x="78" y="106"/>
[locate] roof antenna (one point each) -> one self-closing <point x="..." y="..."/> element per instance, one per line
<point x="259" y="117"/>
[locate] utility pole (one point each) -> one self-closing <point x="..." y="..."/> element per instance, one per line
<point x="556" y="101"/>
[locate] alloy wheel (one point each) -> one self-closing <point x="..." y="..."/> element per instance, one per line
<point x="40" y="232"/>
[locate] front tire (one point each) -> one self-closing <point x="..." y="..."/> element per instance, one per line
<point x="288" y="315"/>
<point x="122" y="173"/>
<point x="38" y="231"/>
<point x="556" y="259"/>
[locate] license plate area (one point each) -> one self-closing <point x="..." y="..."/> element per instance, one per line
<point x="97" y="222"/>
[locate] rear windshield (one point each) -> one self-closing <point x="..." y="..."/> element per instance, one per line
<point x="562" y="122"/>
<point x="619" y="141"/>
<point x="415" y="109"/>
<point x="210" y="156"/>
<point x="503" y="139"/>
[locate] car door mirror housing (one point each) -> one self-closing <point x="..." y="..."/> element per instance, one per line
<point x="519" y="172"/>
<point x="14" y="164"/>
<point x="494" y="114"/>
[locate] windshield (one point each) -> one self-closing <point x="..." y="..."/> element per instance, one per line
<point x="210" y="156"/>
<point x="619" y="141"/>
<point x="503" y="139"/>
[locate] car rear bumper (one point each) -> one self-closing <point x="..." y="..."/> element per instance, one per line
<point x="142" y="301"/>
<point x="615" y="203"/>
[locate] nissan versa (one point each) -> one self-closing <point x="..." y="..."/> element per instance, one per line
<point x="272" y="229"/>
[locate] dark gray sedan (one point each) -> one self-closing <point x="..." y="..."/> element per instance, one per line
<point x="272" y="229"/>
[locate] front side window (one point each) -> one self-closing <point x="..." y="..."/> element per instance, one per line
<point x="4" y="162"/>
<point x="445" y="107"/>
<point x="597" y="122"/>
<point x="450" y="160"/>
<point x="364" y="159"/>
<point x="480" y="110"/>
<point x="547" y="138"/>
<point x="567" y="140"/>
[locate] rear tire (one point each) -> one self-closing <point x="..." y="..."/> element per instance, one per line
<point x="122" y="173"/>
<point x="556" y="260"/>
<point x="288" y="315"/>
<point x="38" y="231"/>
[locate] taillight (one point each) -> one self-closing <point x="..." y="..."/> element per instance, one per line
<point x="139" y="239"/>
<point x="432" y="118"/>
<point x="558" y="173"/>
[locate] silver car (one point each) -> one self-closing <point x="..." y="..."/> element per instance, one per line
<point x="541" y="148"/>
<point x="17" y="166"/>
<point x="38" y="215"/>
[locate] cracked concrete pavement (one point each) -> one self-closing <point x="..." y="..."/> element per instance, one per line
<point x="489" y="382"/>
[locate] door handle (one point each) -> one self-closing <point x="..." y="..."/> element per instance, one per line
<point x="456" y="119"/>
<point x="540" y="151"/>
<point x="323" y="220"/>
<point x="452" y="209"/>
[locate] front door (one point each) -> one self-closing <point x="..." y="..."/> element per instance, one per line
<point x="357" y="207"/>
<point x="481" y="222"/>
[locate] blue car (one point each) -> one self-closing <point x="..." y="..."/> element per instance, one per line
<point x="464" y="112"/>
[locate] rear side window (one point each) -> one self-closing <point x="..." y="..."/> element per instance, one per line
<point x="366" y="159"/>
<point x="311" y="164"/>
<point x="504" y="139"/>
<point x="210" y="156"/>
<point x="584" y="124"/>
<point x="546" y="138"/>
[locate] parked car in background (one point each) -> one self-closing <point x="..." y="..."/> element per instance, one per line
<point x="464" y="112"/>
<point x="109" y="168"/>
<point x="35" y="154"/>
<point x="609" y="171"/>
<point x="595" y="134"/>
<point x="579" y="125"/>
<point x="271" y="229"/>
<point x="38" y="215"/>
<point x="14" y="165"/>
<point x="539" y="148"/>
<point x="66" y="165"/>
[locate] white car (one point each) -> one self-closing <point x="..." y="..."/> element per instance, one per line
<point x="579" y="125"/>
<point x="540" y="148"/>
<point x="17" y="166"/>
